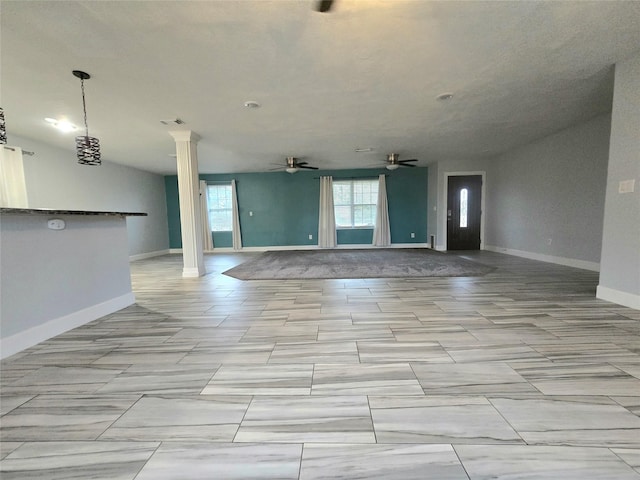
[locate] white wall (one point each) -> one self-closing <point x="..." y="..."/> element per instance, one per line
<point x="620" y="269"/>
<point x="546" y="199"/>
<point x="55" y="180"/>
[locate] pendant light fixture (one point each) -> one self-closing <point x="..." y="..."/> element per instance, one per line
<point x="3" y="130"/>
<point x="87" y="148"/>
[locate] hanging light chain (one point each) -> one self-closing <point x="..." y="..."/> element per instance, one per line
<point x="84" y="108"/>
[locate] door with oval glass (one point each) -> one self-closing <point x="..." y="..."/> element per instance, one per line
<point x="463" y="212"/>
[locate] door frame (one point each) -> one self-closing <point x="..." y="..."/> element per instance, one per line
<point x="442" y="245"/>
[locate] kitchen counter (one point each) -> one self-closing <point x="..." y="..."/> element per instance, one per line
<point x="59" y="269"/>
<point x="53" y="211"/>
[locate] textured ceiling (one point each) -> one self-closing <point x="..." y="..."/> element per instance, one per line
<point x="365" y="75"/>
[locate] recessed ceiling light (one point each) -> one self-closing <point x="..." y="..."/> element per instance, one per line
<point x="62" y="125"/>
<point x="252" y="104"/>
<point x="364" y="150"/>
<point x="443" y="97"/>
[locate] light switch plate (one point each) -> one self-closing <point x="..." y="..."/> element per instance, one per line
<point x="627" y="186"/>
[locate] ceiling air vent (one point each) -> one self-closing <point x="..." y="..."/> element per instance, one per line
<point x="173" y="121"/>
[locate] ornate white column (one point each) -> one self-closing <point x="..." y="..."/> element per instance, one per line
<point x="189" y="193"/>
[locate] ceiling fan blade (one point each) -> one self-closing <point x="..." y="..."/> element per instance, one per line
<point x="407" y="165"/>
<point x="276" y="168"/>
<point x="299" y="164"/>
<point x="323" y="6"/>
<point x="308" y="167"/>
<point x="410" y="160"/>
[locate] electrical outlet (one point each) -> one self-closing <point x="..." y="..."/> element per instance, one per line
<point x="310" y="237"/>
<point x="549" y="240"/>
<point x="413" y="235"/>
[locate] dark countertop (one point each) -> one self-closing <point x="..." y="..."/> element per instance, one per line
<point x="54" y="211"/>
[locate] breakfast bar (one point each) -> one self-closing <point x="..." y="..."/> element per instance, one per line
<point x="59" y="269"/>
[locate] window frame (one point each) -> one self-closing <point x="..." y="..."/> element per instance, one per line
<point x="374" y="185"/>
<point x="225" y="209"/>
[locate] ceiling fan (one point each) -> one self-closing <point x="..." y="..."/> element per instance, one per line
<point x="393" y="162"/>
<point x="323" y="6"/>
<point x="293" y="165"/>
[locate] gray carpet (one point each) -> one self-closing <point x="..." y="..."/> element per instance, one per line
<point x="368" y="263"/>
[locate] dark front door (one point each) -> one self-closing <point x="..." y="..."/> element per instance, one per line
<point x="463" y="212"/>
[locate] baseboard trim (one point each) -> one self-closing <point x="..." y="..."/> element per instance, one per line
<point x="567" y="262"/>
<point x="193" y="272"/>
<point x="34" y="335"/>
<point x="625" y="299"/>
<point x="262" y="249"/>
<point x="142" y="256"/>
<point x="305" y="247"/>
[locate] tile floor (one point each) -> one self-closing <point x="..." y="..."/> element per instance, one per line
<point x="521" y="374"/>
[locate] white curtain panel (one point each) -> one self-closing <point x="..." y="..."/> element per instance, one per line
<point x="207" y="237"/>
<point x="237" y="236"/>
<point x="327" y="236"/>
<point x="382" y="231"/>
<point x="13" y="189"/>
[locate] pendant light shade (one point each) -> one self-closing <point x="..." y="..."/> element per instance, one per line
<point x="87" y="148"/>
<point x="3" y="129"/>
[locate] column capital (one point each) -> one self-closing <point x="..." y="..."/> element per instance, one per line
<point x="184" y="136"/>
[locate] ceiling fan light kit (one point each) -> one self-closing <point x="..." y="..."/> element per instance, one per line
<point x="393" y="162"/>
<point x="293" y="165"/>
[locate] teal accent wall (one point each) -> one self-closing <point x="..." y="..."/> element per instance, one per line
<point x="173" y="211"/>
<point x="355" y="236"/>
<point x="222" y="239"/>
<point x="285" y="207"/>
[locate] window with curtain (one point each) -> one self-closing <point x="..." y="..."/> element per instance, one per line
<point x="355" y="203"/>
<point x="220" y="208"/>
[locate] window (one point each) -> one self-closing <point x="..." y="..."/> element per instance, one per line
<point x="464" y="196"/>
<point x="355" y="203"/>
<point x="219" y="201"/>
